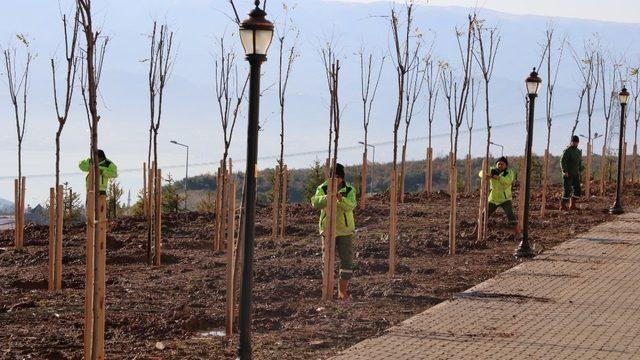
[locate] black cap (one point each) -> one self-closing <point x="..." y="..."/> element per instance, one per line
<point x="340" y="171"/>
<point x="503" y="159"/>
<point x="101" y="154"/>
<point x="575" y="138"/>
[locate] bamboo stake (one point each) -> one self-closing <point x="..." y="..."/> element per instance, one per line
<point x="634" y="168"/>
<point x="393" y="231"/>
<point x="329" y="243"/>
<point x="145" y="203"/>
<point x="363" y="182"/>
<point x="545" y="184"/>
<point x="88" y="289"/>
<point x="283" y="207"/>
<point x="16" y="214"/>
<point x="230" y="300"/>
<point x="603" y="162"/>
<point x="467" y="184"/>
<point x="158" y="219"/>
<point x="23" y="190"/>
<point x="150" y="206"/>
<point x="52" y="234"/>
<point x="59" y="228"/>
<point x="587" y="183"/>
<point x="624" y="165"/>
<point x="99" y="284"/>
<point x="429" y="180"/>
<point x="453" y="191"/>
<point x="276" y="202"/>
<point x="483" y="203"/>
<point x="218" y="210"/>
<point x="521" y="196"/>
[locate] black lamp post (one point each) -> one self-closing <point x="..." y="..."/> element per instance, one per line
<point x="256" y="34"/>
<point x="617" y="206"/>
<point x="533" y="83"/>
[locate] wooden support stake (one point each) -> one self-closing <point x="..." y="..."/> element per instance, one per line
<point x="429" y="175"/>
<point x="363" y="182"/>
<point x="276" y="203"/>
<point x="634" y="164"/>
<point x="329" y="242"/>
<point x="230" y="300"/>
<point x="59" y="228"/>
<point x="587" y="181"/>
<point x="16" y="214"/>
<point x="545" y="184"/>
<point x="23" y="190"/>
<point x="327" y="166"/>
<point x="283" y="206"/>
<point x="403" y="171"/>
<point x="453" y="192"/>
<point x="99" y="283"/>
<point x="603" y="165"/>
<point x="467" y="184"/>
<point x="393" y="228"/>
<point x="52" y="240"/>
<point x="158" y="220"/>
<point x="624" y="165"/>
<point x="145" y="202"/>
<point x="522" y="175"/>
<point x="150" y="210"/>
<point x="88" y="289"/>
<point x="482" y="207"/>
<point x="218" y="210"/>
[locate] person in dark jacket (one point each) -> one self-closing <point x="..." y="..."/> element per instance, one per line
<point x="571" y="162"/>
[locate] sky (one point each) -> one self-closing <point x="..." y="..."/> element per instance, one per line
<point x="190" y="110"/>
<point x="609" y="10"/>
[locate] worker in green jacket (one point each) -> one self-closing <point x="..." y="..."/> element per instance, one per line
<point x="345" y="225"/>
<point x="108" y="170"/>
<point x="571" y="162"/>
<point x="501" y="179"/>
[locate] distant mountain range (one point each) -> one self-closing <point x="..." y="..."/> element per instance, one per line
<point x="6" y="206"/>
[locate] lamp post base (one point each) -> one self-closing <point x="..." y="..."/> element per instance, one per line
<point x="524" y="250"/>
<point x="616" y="210"/>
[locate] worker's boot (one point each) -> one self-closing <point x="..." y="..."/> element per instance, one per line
<point x="573" y="205"/>
<point x="563" y="205"/>
<point x="343" y="294"/>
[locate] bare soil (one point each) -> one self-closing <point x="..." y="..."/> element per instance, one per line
<point x="182" y="301"/>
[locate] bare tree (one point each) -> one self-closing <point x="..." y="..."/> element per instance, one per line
<point x="456" y="92"/>
<point x="470" y="120"/>
<point x="433" y="91"/>
<point x="94" y="58"/>
<point x="62" y="113"/>
<point x="553" y="67"/>
<point x="368" y="95"/>
<point x="161" y="60"/>
<point x="608" y="72"/>
<point x="414" y="85"/>
<point x="587" y="65"/>
<point x="18" y="84"/>
<point x="287" y="55"/>
<point x="488" y="39"/>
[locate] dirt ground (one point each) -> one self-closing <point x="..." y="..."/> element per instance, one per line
<point x="181" y="303"/>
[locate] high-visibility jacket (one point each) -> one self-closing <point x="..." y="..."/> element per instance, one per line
<point x="501" y="188"/>
<point x="108" y="170"/>
<point x="345" y="222"/>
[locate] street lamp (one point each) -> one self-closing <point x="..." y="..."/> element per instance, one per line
<point x="617" y="206"/>
<point x="256" y="34"/>
<point x="186" y="176"/>
<point x="533" y="84"/>
<point x="373" y="161"/>
<point x="596" y="136"/>
<point x="498" y="145"/>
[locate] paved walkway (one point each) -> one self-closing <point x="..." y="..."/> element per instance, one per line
<point x="578" y="301"/>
